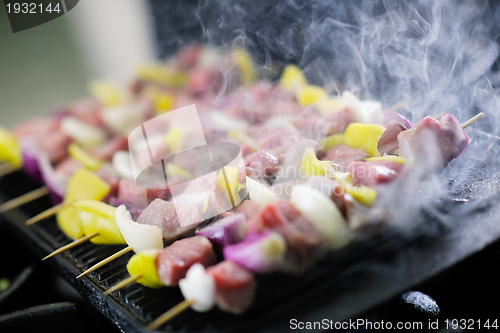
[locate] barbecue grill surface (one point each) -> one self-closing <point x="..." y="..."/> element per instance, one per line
<point x="346" y="284"/>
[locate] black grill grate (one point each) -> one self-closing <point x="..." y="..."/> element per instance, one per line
<point x="346" y="284"/>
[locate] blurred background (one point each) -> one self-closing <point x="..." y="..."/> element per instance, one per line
<point x="51" y="64"/>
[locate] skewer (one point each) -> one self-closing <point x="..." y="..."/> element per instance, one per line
<point x="47" y="213"/>
<point x="440" y="115"/>
<point x="179" y="308"/>
<point x="473" y="120"/>
<point x="8" y="168"/>
<point x="397" y="106"/>
<point x="25" y="198"/>
<point x="72" y="244"/>
<point x="105" y="261"/>
<point x="182" y="306"/>
<point x="122" y="284"/>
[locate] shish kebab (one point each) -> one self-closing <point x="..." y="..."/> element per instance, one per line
<point x="56" y="208"/>
<point x="202" y="300"/>
<point x="100" y="125"/>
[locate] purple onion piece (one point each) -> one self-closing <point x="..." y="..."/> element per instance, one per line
<point x="56" y="183"/>
<point x="229" y="230"/>
<point x="393" y="118"/>
<point x="133" y="210"/>
<point x="452" y="128"/>
<point x="259" y="252"/>
<point x="30" y="160"/>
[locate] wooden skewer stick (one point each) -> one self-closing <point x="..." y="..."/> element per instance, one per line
<point x="48" y="213"/>
<point x="72" y="244"/>
<point x="397" y="106"/>
<point x="123" y="284"/>
<point x="8" y="168"/>
<point x="105" y="261"/>
<point x="440" y="115"/>
<point x="25" y="198"/>
<point x="179" y="308"/>
<point x="473" y="120"/>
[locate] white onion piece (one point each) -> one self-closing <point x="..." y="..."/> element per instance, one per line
<point x="280" y="122"/>
<point x="260" y="193"/>
<point x="227" y="123"/>
<point x="121" y="164"/>
<point x="366" y="112"/>
<point x="199" y="200"/>
<point x="199" y="287"/>
<point x="138" y="236"/>
<point x="352" y="103"/>
<point x="85" y="135"/>
<point x="372" y="112"/>
<point x="210" y="57"/>
<point x="323" y="214"/>
<point x="122" y="119"/>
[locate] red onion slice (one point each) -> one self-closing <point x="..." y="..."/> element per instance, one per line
<point x="229" y="230"/>
<point x="393" y="118"/>
<point x="30" y="160"/>
<point x="259" y="252"/>
<point x="56" y="183"/>
<point x="452" y="128"/>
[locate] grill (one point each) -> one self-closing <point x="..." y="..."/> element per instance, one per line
<point x="349" y="283"/>
<point x="345" y="285"/>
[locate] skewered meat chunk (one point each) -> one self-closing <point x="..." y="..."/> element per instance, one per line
<point x="130" y="193"/>
<point x="394" y="124"/>
<point x="263" y="163"/>
<point x="248" y="208"/>
<point x="109" y="148"/>
<point x="433" y="143"/>
<point x="305" y="244"/>
<point x="374" y="172"/>
<point x="174" y="261"/>
<point x="165" y="215"/>
<point x="234" y="286"/>
<point x="342" y="154"/>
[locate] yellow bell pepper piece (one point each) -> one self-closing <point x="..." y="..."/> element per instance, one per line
<point x="364" y="136"/>
<point x="292" y="77"/>
<point x="107" y="93"/>
<point x="308" y="94"/>
<point x="83" y="185"/>
<point x="162" y="100"/>
<point x="173" y="138"/>
<point x="81" y="156"/>
<point x="332" y="140"/>
<point x="9" y="148"/>
<point x="391" y="158"/>
<point x="159" y="73"/>
<point x="232" y="182"/>
<point x="174" y="170"/>
<point x="243" y="138"/>
<point x="144" y="264"/>
<point x="363" y="194"/>
<point x="163" y="103"/>
<point x="245" y="64"/>
<point x="311" y="166"/>
<point x="96" y="216"/>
